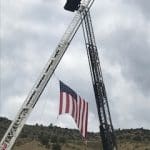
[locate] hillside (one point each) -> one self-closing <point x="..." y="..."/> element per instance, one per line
<point x="39" y="137"/>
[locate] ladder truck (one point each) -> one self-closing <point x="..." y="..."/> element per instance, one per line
<point x="82" y="16"/>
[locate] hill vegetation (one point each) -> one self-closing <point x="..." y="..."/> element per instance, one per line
<point x="39" y="137"/>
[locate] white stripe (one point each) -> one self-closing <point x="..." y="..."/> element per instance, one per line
<point x="64" y="103"/>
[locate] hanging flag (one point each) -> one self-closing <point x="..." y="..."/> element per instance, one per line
<point x="74" y="105"/>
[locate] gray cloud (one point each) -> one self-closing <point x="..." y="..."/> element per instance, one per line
<point x="142" y="5"/>
<point x="132" y="51"/>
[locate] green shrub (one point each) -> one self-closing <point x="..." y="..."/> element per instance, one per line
<point x="62" y="140"/>
<point x="56" y="147"/>
<point x="54" y="139"/>
<point x="44" y="140"/>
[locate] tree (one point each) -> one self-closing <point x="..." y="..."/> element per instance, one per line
<point x="50" y="126"/>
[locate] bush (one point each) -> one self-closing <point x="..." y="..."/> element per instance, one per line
<point x="54" y="139"/>
<point x="56" y="147"/>
<point x="44" y="140"/>
<point x="62" y="140"/>
<point x="137" y="138"/>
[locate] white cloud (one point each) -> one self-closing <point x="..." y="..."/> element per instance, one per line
<point x="12" y="106"/>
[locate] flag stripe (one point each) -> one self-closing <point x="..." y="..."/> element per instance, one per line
<point x="79" y="112"/>
<point x="82" y="121"/>
<point x="70" y="104"/>
<point x="61" y="99"/>
<point x="64" y="103"/>
<point x="67" y="103"/>
<point x="73" y="107"/>
<point x="76" y="114"/>
<point x="86" y="121"/>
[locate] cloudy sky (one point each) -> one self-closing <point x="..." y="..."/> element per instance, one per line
<point x="31" y="29"/>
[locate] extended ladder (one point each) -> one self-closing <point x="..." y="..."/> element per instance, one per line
<point x="106" y="127"/>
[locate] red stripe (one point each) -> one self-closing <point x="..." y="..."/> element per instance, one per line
<point x="67" y="103"/>
<point x="73" y="107"/>
<point x="82" y="119"/>
<point x="61" y="101"/>
<point x="76" y="116"/>
<point x="86" y="121"/>
<point x="79" y="111"/>
<point x="77" y="119"/>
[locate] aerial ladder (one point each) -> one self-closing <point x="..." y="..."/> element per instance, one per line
<point x="82" y="16"/>
<point x="106" y="127"/>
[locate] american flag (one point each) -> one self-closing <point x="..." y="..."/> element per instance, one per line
<point x="74" y="105"/>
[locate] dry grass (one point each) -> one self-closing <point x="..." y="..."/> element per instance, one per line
<point x="33" y="145"/>
<point x="91" y="145"/>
